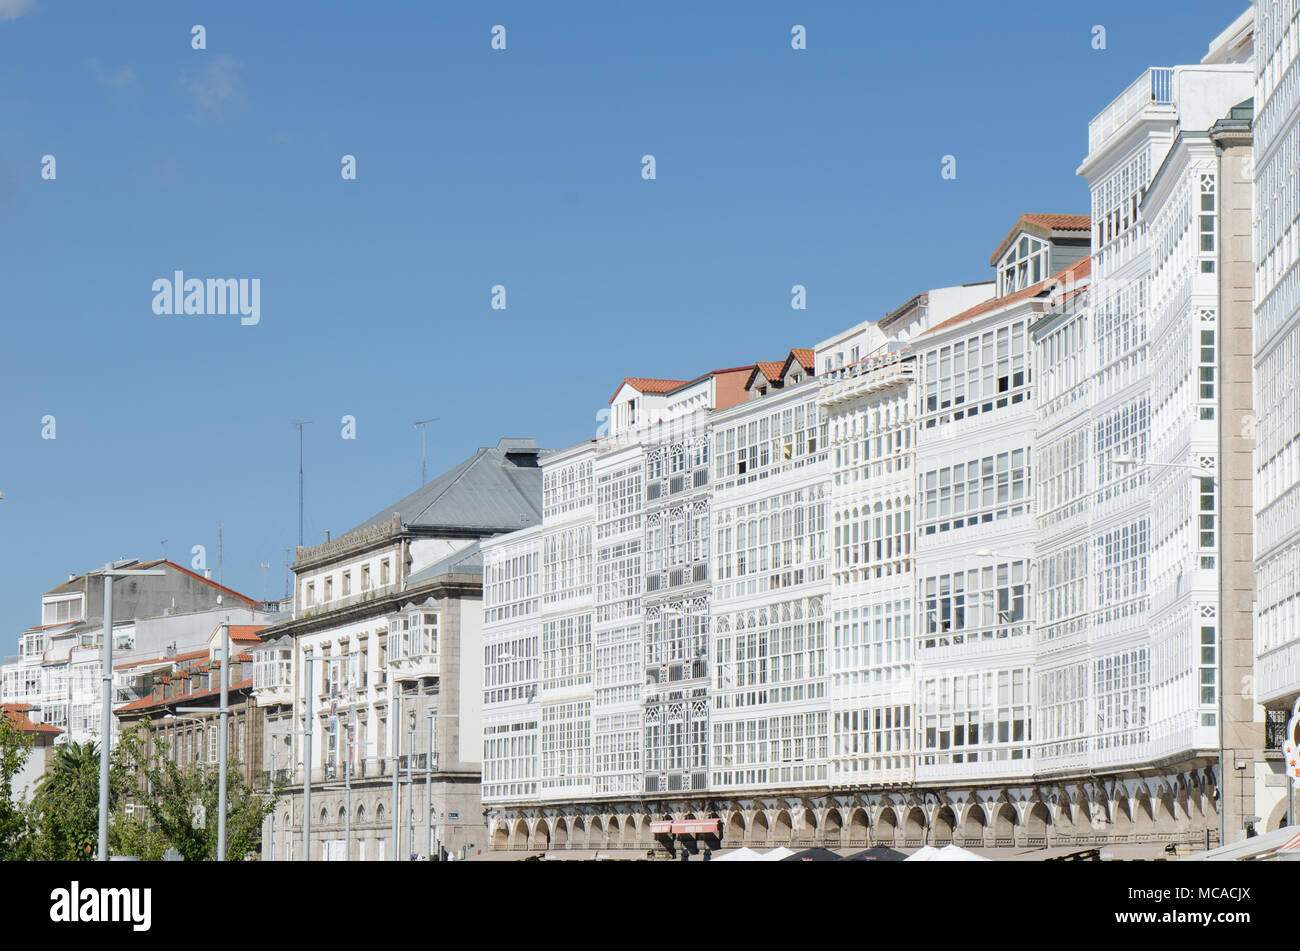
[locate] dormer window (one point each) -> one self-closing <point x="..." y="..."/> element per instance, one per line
<point x="1023" y="265"/>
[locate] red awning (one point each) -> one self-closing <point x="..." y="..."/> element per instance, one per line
<point x="661" y="828"/>
<point x="697" y="827"/>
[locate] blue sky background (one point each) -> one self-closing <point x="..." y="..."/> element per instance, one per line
<point x="475" y="167"/>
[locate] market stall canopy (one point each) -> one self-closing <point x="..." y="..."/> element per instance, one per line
<point x="1281" y="843"/>
<point x="879" y="853"/>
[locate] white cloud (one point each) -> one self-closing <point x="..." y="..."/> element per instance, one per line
<point x="118" y="79"/>
<point x="13" y="9"/>
<point x="215" y="87"/>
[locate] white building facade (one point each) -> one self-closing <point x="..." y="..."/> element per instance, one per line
<point x="1276" y="247"/>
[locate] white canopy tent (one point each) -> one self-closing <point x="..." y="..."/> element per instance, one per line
<point x="741" y="854"/>
<point x="1281" y="843"/>
<point x="955" y="853"/>
<point x="776" y="855"/>
<point x="926" y="853"/>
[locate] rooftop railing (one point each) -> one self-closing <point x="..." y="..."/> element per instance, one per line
<point x="1153" y="87"/>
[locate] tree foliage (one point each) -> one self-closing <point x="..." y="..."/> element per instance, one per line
<point x="15" y="748"/>
<point x="181" y="804"/>
<point x="65" y="807"/>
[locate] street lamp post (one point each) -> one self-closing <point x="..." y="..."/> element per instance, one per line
<point x="306" y="763"/>
<point x="111" y="574"/>
<point x="410" y="786"/>
<point x="223" y="741"/>
<point x="397" y="740"/>
<point x="274" y="771"/>
<point x="432" y="717"/>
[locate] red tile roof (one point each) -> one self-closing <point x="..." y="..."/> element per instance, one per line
<point x="806" y="358"/>
<point x="1044" y="225"/>
<point x="145" y="703"/>
<point x="647" y="384"/>
<point x="246" y="633"/>
<point x="16" y="713"/>
<point x="1075" y="272"/>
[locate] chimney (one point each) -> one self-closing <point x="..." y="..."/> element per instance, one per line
<point x="207" y="573"/>
<point x="327" y="534"/>
<point x="71" y="576"/>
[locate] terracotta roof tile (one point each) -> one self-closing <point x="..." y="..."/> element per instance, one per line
<point x="1041" y="222"/>
<point x="648" y="384"/>
<point x="1075" y="272"/>
<point x="806" y="358"/>
<point x="16" y="713"/>
<point x="145" y="703"/>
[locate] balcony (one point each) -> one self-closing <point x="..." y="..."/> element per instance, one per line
<point x="415" y="665"/>
<point x="1155" y="87"/>
<point x="273" y="681"/>
<point x="981" y="769"/>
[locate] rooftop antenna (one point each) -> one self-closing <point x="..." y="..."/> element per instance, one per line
<point x="298" y="425"/>
<point x="288" y="566"/>
<point x="221" y="582"/>
<point x="422" y="425"/>
<point x="163" y="545"/>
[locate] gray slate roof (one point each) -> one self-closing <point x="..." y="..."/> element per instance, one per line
<point x="498" y="489"/>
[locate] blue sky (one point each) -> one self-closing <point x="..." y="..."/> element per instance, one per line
<point x="474" y="168"/>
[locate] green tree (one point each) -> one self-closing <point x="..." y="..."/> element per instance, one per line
<point x="15" y="748"/>
<point x="65" y="808"/>
<point x="181" y="804"/>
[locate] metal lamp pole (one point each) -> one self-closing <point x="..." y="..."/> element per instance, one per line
<point x="397" y="739"/>
<point x="274" y="771"/>
<point x="410" y="786"/>
<point x="306" y="764"/>
<point x="432" y="717"/>
<point x="223" y="740"/>
<point x="106" y="711"/>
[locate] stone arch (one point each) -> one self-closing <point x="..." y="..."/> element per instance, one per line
<point x="541" y="838"/>
<point x="324" y="816"/>
<point x="733" y="830"/>
<point x="886" y="826"/>
<point x="1277" y="818"/>
<point x="833" y="825"/>
<point x="808" y="828"/>
<point x="972" y="827"/>
<point x="596" y="833"/>
<point x="945" y="823"/>
<point x="520" y="838"/>
<point x="1144" y="820"/>
<point x="613" y="837"/>
<point x="1082" y="815"/>
<point x="343" y="816"/>
<point x="501" y="836"/>
<point x="361" y="814"/>
<point x="630" y="838"/>
<point x="858" y="826"/>
<point x="379" y="814"/>
<point x="1122" y="815"/>
<point x="1166" y="812"/>
<point x="1037" y="820"/>
<point x="560" y="838"/>
<point x="1005" y="821"/>
<point x="782" y="828"/>
<point x="578" y="834"/>
<point x="758" y="828"/>
<point x="914" y="824"/>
